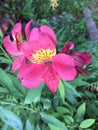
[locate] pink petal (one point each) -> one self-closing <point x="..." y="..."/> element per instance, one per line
<point x="48" y="31"/>
<point x="44" y="43"/>
<point x="67" y="47"/>
<point x="11" y="47"/>
<point x="65" y="66"/>
<point x="85" y="56"/>
<point x="17" y="30"/>
<point x="31" y="75"/>
<point x="34" y="35"/>
<point x="18" y="62"/>
<point x="51" y="79"/>
<point x="27" y="29"/>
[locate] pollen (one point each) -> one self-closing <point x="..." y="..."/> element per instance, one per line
<point x="19" y="38"/>
<point x="43" y="55"/>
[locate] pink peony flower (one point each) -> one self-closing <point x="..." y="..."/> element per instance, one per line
<point x="44" y="65"/>
<point x="81" y="58"/>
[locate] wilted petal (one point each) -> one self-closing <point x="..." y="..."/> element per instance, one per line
<point x="65" y="66"/>
<point x="48" y="31"/>
<point x="31" y="75"/>
<point x="11" y="47"/>
<point x="67" y="47"/>
<point x="17" y="30"/>
<point x="51" y="79"/>
<point x="27" y="29"/>
<point x="18" y="62"/>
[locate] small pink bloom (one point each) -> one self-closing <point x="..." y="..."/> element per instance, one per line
<point x="81" y="58"/>
<point x="14" y="47"/>
<point x="44" y="65"/>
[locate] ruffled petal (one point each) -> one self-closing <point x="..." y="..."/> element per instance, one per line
<point x="31" y="75"/>
<point x="27" y="29"/>
<point x="65" y="66"/>
<point x="67" y="47"/>
<point x="17" y="30"/>
<point x="18" y="62"/>
<point x="51" y="79"/>
<point x="48" y="31"/>
<point x="11" y="47"/>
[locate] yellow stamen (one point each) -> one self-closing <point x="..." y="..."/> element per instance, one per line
<point x="43" y="55"/>
<point x="19" y="38"/>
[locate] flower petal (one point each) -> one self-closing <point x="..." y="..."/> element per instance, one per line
<point x="27" y="29"/>
<point x="67" y="47"/>
<point x="11" y="47"/>
<point x="31" y="75"/>
<point x="65" y="66"/>
<point x="47" y="30"/>
<point x="51" y="79"/>
<point x="17" y="30"/>
<point x="18" y="62"/>
<point x="31" y="47"/>
<point x="34" y="35"/>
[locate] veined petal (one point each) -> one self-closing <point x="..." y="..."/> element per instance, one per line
<point x="18" y="62"/>
<point x="27" y="29"/>
<point x="11" y="47"/>
<point x="65" y="66"/>
<point x="48" y="31"/>
<point x="51" y="79"/>
<point x="85" y="56"/>
<point x="31" y="75"/>
<point x="17" y="30"/>
<point x="67" y="47"/>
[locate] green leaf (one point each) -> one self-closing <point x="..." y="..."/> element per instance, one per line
<point x="63" y="110"/>
<point x="71" y="93"/>
<point x="52" y="127"/>
<point x="50" y="120"/>
<point x="33" y="95"/>
<point x="87" y="123"/>
<point x="28" y="125"/>
<point x="81" y="112"/>
<point x="62" y="90"/>
<point x="46" y="104"/>
<point x="68" y="119"/>
<point x="11" y="119"/>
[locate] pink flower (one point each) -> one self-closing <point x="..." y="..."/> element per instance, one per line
<point x="81" y="58"/>
<point x="44" y="65"/>
<point x="14" y="47"/>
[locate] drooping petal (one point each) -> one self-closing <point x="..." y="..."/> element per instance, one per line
<point x="85" y="56"/>
<point x="27" y="29"/>
<point x="65" y="66"/>
<point x="48" y="31"/>
<point x="17" y="30"/>
<point x="11" y="47"/>
<point x="31" y="75"/>
<point x="67" y="47"/>
<point x="18" y="62"/>
<point x="44" y="43"/>
<point x="51" y="79"/>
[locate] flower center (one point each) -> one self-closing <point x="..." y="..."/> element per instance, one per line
<point x="19" y="38"/>
<point x="43" y="55"/>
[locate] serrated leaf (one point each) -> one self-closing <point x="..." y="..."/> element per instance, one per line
<point x="50" y="120"/>
<point x="62" y="90"/>
<point x="87" y="123"/>
<point x="33" y="95"/>
<point x="81" y="112"/>
<point x="11" y="119"/>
